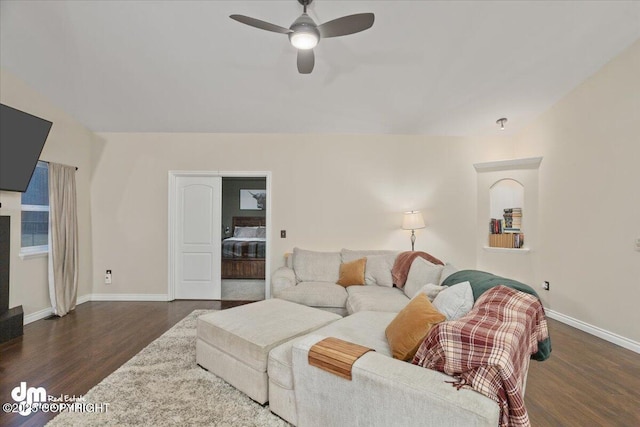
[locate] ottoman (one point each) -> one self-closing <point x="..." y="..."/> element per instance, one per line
<point x="234" y="344"/>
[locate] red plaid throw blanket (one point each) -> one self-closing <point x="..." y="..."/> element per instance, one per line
<point x="488" y="349"/>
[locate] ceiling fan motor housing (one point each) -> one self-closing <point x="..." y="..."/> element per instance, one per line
<point x="304" y="27"/>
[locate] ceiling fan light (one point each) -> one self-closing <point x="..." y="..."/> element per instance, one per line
<point x="303" y="40"/>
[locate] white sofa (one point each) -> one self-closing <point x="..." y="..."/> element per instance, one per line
<point x="310" y="277"/>
<point x="384" y="391"/>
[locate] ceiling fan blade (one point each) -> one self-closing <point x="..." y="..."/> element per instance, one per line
<point x="306" y="61"/>
<point x="346" y="25"/>
<point x="260" y="24"/>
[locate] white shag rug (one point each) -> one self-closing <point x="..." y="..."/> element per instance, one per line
<point x="163" y="386"/>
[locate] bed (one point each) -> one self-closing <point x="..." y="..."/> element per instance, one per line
<point x="243" y="254"/>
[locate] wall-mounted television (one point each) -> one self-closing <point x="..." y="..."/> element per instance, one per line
<point x="22" y="137"/>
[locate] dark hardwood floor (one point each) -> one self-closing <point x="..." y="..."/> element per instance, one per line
<point x="71" y="354"/>
<point x="586" y="382"/>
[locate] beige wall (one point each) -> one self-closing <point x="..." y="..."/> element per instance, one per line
<point x="333" y="191"/>
<point x="590" y="198"/>
<point x="328" y="192"/>
<point x="68" y="143"/>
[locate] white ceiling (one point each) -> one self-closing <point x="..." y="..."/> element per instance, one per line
<point x="425" y="67"/>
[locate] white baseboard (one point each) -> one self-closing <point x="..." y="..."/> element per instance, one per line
<point x="37" y="315"/>
<point x="129" y="297"/>
<point x="83" y="299"/>
<point x="46" y="312"/>
<point x="594" y="330"/>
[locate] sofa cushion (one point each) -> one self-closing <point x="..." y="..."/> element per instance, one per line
<point x="408" y="329"/>
<point x="455" y="301"/>
<point x="352" y="273"/>
<point x="421" y="273"/>
<point x="375" y="298"/>
<point x="250" y="331"/>
<point x="378" y="271"/>
<point x="365" y="328"/>
<point x="312" y="266"/>
<point x="315" y="294"/>
<point x="379" y="265"/>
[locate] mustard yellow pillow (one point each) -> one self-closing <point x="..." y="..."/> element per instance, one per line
<point x="409" y="328"/>
<point x="352" y="273"/>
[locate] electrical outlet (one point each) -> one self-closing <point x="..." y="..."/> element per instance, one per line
<point x="107" y="277"/>
<point x="283" y="234"/>
<point x="546" y="285"/>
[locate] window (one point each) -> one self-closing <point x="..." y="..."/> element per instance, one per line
<point x="35" y="212"/>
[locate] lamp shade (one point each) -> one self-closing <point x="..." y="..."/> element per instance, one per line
<point x="412" y="221"/>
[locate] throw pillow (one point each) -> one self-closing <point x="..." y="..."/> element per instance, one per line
<point x="403" y="263"/>
<point x="245" y="232"/>
<point x="409" y="328"/>
<point x="432" y="291"/>
<point x="447" y="271"/>
<point x="421" y="273"/>
<point x="352" y="273"/>
<point x="456" y="301"/>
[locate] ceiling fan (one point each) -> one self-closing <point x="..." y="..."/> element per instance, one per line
<point x="304" y="34"/>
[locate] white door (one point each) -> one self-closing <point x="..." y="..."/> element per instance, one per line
<point x="197" y="237"/>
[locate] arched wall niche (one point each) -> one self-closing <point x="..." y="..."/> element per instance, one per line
<point x="508" y="184"/>
<point x="504" y="194"/>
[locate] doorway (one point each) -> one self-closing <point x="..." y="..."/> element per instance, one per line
<point x="244" y="211"/>
<point x="201" y="264"/>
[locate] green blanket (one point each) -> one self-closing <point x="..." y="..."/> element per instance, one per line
<point x="482" y="281"/>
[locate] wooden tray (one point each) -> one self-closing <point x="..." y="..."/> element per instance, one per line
<point x="336" y="356"/>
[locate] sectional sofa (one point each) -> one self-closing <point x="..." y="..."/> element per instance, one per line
<point x="383" y="390"/>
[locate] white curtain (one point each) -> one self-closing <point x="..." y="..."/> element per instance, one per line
<point x="63" y="238"/>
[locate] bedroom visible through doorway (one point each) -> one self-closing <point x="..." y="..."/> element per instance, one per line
<point x="197" y="219"/>
<point x="244" y="242"/>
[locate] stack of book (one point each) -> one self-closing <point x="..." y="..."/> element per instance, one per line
<point x="512" y="220"/>
<point x="506" y="240"/>
<point x="505" y="233"/>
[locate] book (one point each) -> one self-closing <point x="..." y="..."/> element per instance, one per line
<point x="506" y="240"/>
